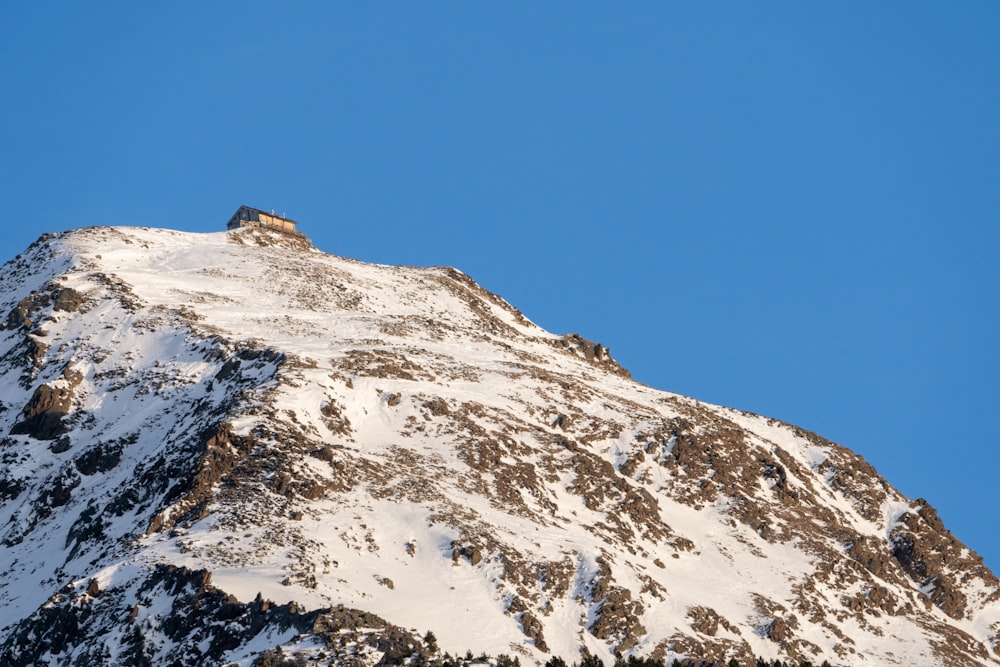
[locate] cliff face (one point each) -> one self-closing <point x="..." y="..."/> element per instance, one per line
<point x="216" y="445"/>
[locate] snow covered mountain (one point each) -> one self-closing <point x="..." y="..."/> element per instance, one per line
<point x="213" y="446"/>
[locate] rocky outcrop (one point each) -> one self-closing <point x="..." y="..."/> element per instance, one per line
<point x="177" y="617"/>
<point x="932" y="557"/>
<point x="221" y="452"/>
<point x="617" y="614"/>
<point x="594" y="353"/>
<point x="59" y="298"/>
<point x="44" y="416"/>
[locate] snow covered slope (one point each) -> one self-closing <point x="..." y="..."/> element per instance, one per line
<point x="218" y="444"/>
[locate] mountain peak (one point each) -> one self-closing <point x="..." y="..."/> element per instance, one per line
<point x="254" y="445"/>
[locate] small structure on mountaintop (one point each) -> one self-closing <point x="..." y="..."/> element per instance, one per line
<point x="247" y="216"/>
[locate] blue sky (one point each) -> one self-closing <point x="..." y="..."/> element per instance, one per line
<point x="785" y="207"/>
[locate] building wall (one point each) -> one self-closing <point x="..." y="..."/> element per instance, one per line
<point x="274" y="221"/>
<point x="287" y="228"/>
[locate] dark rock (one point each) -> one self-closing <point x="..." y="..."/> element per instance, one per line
<point x="228" y="370"/>
<point x="35" y="352"/>
<point x="335" y="420"/>
<point x="100" y="458"/>
<point x="10" y="488"/>
<point x="930" y="555"/>
<point x="617" y="617"/>
<point x="704" y="620"/>
<point x="60" y="298"/>
<point x="43" y="415"/>
<point x="776" y="630"/>
<point x="437" y="407"/>
<point x="89" y="526"/>
<point x="532" y="628"/>
<point x="595" y="353"/>
<point x="22" y="314"/>
<point x="57" y="494"/>
<point x="61" y="445"/>
<point x="473" y="553"/>
<point x="66" y="299"/>
<point x="221" y="452"/>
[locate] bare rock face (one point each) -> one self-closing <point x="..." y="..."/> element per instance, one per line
<point x="931" y="556"/>
<point x="394" y="450"/>
<point x="708" y="622"/>
<point x="617" y="617"/>
<point x="595" y="353"/>
<point x="43" y="416"/>
<point x="200" y="625"/>
<point x="58" y="298"/>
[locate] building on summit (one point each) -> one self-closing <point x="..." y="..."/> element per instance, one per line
<point x="247" y="216"/>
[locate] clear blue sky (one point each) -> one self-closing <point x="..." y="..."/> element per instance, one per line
<point x="785" y="207"/>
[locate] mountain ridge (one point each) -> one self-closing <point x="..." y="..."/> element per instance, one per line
<point x="317" y="431"/>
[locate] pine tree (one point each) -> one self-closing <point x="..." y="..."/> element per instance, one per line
<point x="431" y="642"/>
<point x="507" y="661"/>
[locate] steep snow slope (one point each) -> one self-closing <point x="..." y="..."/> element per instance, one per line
<point x="319" y="432"/>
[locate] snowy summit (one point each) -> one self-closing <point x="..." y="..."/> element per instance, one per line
<point x="222" y="448"/>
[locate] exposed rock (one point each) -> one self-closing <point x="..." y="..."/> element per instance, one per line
<point x="61" y="445"/>
<point x="35" y="351"/>
<point x="595" y="353"/>
<point x="534" y="630"/>
<point x="775" y="629"/>
<point x="201" y="623"/>
<point x="220" y="453"/>
<point x="59" y="298"/>
<point x="101" y="458"/>
<point x="617" y="616"/>
<point x="875" y="599"/>
<point x="704" y="652"/>
<point x="707" y="621"/>
<point x="932" y="557"/>
<point x="22" y="314"/>
<point x="473" y="553"/>
<point x="437" y="407"/>
<point x="334" y="419"/>
<point x="43" y="415"/>
<point x="10" y="488"/>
